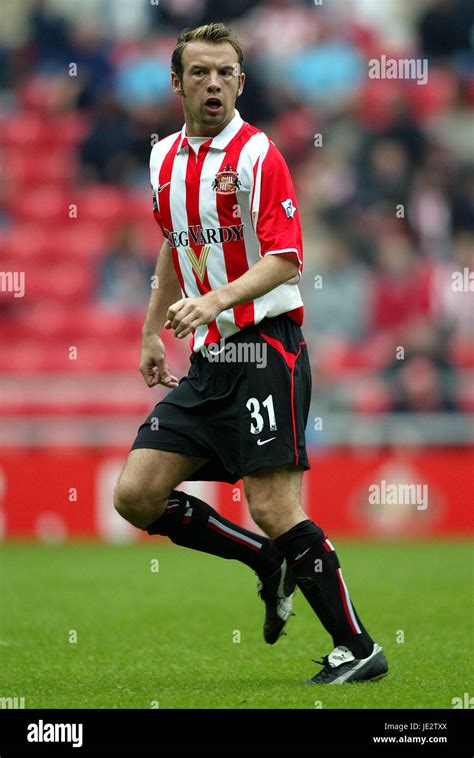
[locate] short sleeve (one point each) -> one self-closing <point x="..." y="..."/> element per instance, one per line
<point x="154" y="188"/>
<point x="275" y="212"/>
<point x="156" y="209"/>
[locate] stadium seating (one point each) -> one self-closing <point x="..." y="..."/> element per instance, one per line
<point x="59" y="223"/>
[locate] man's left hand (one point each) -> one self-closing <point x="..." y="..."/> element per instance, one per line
<point x="190" y="312"/>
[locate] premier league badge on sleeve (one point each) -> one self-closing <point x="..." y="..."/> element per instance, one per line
<point x="226" y="181"/>
<point x="288" y="207"/>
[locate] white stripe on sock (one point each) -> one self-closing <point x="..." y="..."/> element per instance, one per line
<point x="241" y="536"/>
<point x="349" y="604"/>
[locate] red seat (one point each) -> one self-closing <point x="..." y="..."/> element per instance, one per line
<point x="45" y="320"/>
<point x="25" y="241"/>
<point x="150" y="238"/>
<point x="139" y="208"/>
<point x="376" y="101"/>
<point x="100" y="204"/>
<point x="70" y="129"/>
<point x="80" y="240"/>
<point x="435" y="97"/>
<point x="94" y="354"/>
<point x="21" y="130"/>
<point x="33" y="166"/>
<point x="43" y="205"/>
<point x="107" y="322"/>
<point x="28" y="356"/>
<point x="27" y="129"/>
<point x="462" y="352"/>
<point x="71" y="241"/>
<point x="34" y="94"/>
<point x="336" y="357"/>
<point x="65" y="281"/>
<point x="11" y="265"/>
<point x="370" y="395"/>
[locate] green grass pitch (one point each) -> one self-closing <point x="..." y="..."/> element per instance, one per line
<point x="167" y="638"/>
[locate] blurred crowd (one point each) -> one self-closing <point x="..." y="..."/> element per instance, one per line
<point x="383" y="168"/>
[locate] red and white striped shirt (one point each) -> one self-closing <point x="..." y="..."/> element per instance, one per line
<point x="222" y="208"/>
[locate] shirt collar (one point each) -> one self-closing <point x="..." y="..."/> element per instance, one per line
<point x="221" y="140"/>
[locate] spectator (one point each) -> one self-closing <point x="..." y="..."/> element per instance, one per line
<point x="143" y="78"/>
<point x="446" y="28"/>
<point x="125" y="277"/>
<point x="384" y="173"/>
<point x="338" y="303"/>
<point x="422" y="379"/>
<point x="452" y="293"/>
<point x="49" y="35"/>
<point x="89" y="51"/>
<point x="419" y="389"/>
<point x="401" y="284"/>
<point x="327" y="71"/>
<point x="105" y="153"/>
<point x="383" y="146"/>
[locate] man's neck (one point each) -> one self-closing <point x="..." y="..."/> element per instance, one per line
<point x="194" y="130"/>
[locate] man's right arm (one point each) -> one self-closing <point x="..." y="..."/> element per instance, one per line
<point x="165" y="292"/>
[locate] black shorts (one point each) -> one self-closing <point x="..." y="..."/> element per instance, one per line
<point x="242" y="409"/>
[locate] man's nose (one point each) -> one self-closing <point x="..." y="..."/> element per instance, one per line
<point x="213" y="83"/>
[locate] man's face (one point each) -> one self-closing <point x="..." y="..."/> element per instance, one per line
<point x="211" y="83"/>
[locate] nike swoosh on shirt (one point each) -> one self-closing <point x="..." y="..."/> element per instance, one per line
<point x="163" y="186"/>
<point x="264" y="442"/>
<point x="301" y="554"/>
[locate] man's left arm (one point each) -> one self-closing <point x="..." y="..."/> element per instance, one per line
<point x="277" y="225"/>
<point x="189" y="313"/>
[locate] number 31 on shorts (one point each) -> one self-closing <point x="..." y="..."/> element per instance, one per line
<point x="258" y="421"/>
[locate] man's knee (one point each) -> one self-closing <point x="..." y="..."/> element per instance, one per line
<point x="274" y="505"/>
<point x="138" y="505"/>
<point x="261" y="511"/>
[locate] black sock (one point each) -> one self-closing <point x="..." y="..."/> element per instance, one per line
<point x="192" y="523"/>
<point x="317" y="572"/>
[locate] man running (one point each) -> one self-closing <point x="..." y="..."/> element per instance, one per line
<point x="227" y="276"/>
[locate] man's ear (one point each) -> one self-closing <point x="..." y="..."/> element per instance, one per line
<point x="241" y="85"/>
<point x="176" y="84"/>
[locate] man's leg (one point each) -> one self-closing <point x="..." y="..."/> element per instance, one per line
<point x="274" y="497"/>
<point x="145" y="496"/>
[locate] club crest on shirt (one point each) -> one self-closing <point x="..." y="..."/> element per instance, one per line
<point x="288" y="207"/>
<point x="226" y="181"/>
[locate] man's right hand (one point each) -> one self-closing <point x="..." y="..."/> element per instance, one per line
<point x="153" y="366"/>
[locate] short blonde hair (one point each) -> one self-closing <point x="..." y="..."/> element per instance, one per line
<point x="214" y="33"/>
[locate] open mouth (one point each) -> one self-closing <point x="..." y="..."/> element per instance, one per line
<point x="213" y="104"/>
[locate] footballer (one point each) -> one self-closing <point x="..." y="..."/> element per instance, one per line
<point x="228" y="272"/>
